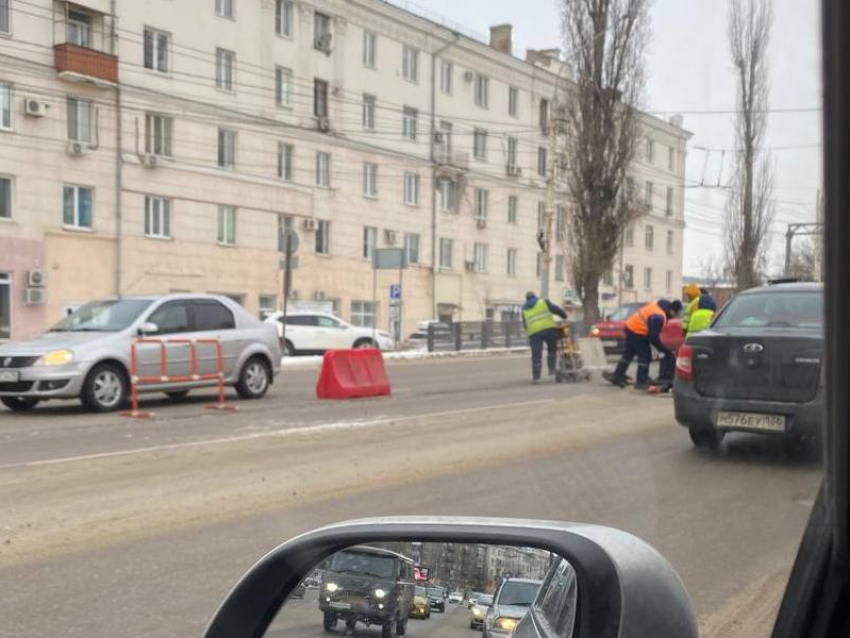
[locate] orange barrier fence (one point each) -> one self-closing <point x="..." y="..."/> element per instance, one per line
<point x="349" y="374"/>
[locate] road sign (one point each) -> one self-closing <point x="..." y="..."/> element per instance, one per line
<point x="395" y="291"/>
<point x="293" y="262"/>
<point x="296" y="241"/>
<point x="389" y="258"/>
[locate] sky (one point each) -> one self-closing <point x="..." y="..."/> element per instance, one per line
<point x="689" y="71"/>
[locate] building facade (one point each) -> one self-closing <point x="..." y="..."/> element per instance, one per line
<point x="153" y="146"/>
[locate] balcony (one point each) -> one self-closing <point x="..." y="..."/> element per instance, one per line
<point x="451" y="163"/>
<point x="76" y="62"/>
<point x="85" y="45"/>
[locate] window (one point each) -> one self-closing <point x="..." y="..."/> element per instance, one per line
<point x="411" y="189"/>
<point x="285" y="157"/>
<point x="363" y="314"/>
<point x="226" y="148"/>
<point x="479" y="144"/>
<point x="323" y="169"/>
<point x="446" y="253"/>
<point x="446" y="188"/>
<point x="513" y="204"/>
<point x="480" y="257"/>
<point x="513" y="101"/>
<point x="649" y="237"/>
<point x="668" y="281"/>
<point x="629" y="236"/>
<point x="542" y="163"/>
<point x="5" y="281"/>
<point x="648" y="199"/>
<point x="5" y="27"/>
<point x="284" y="224"/>
<point x="5" y="198"/>
<point x="77" y="206"/>
<point x="539" y="267"/>
<point x="156" y="50"/>
<point x="224" y="8"/>
<point x="268" y="305"/>
<point x="669" y="242"/>
<point x="411" y="245"/>
<point x="541" y="215"/>
<point x="650" y="151"/>
<point x="158" y="134"/>
<point x="482" y="203"/>
<point x="669" y="209"/>
<point x="172" y="318"/>
<point x="512" y="151"/>
<point x="608" y="277"/>
<point x="511" y="262"/>
<point x="78" y="29"/>
<point x="321" y="32"/>
<point x="482" y="90"/>
<point x="544" y="116"/>
<point x="5" y="105"/>
<point x="323" y="237"/>
<point x="647" y="278"/>
<point x="320" y="98"/>
<point x="671" y="159"/>
<point x="226" y="231"/>
<point x="446" y="73"/>
<point x="283" y="18"/>
<point x="629" y="277"/>
<point x="559" y="268"/>
<point x="368" y="111"/>
<point x="410" y="64"/>
<point x="224" y="69"/>
<point x="446" y="132"/>
<point x="370" y="180"/>
<point x="157" y="217"/>
<point x="561" y="220"/>
<point x="370" y="45"/>
<point x="370" y="241"/>
<point x="80" y="120"/>
<point x="283" y="86"/>
<point x="408" y="123"/>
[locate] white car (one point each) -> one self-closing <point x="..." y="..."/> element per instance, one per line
<point x="316" y="332"/>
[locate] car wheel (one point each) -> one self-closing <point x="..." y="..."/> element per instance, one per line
<point x="253" y="379"/>
<point x="19" y="404"/>
<point x="387" y="629"/>
<point x="105" y="388"/>
<point x="178" y="395"/>
<point x="351" y="625"/>
<point x="329" y="621"/>
<point x="287" y="348"/>
<point x="706" y="438"/>
<point x="364" y="343"/>
<point x="401" y="626"/>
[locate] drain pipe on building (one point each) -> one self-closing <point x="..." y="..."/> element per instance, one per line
<point x="434" y="168"/>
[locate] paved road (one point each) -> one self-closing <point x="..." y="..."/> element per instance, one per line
<point x="148" y="542"/>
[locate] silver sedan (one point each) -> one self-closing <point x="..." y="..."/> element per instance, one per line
<point x="87" y="354"/>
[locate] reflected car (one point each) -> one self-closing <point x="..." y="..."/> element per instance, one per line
<point x="555" y="605"/>
<point x="758" y="368"/>
<point x="317" y="332"/>
<point x="471" y="598"/>
<point x="86" y="356"/>
<point x="421" y="604"/>
<point x="455" y="598"/>
<point x="437" y="597"/>
<point x="510" y="604"/>
<point x="612" y="330"/>
<point x="478" y="611"/>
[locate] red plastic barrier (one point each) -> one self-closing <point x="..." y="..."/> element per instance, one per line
<point x="350" y="374"/>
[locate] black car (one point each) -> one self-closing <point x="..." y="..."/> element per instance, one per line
<point x="438" y="598"/>
<point x="758" y="368"/>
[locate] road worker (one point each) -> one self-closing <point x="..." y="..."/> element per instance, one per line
<point x="538" y="317"/>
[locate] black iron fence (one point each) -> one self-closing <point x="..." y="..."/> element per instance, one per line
<point x="483" y="335"/>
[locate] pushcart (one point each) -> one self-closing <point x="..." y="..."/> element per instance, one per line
<point x="570" y="367"/>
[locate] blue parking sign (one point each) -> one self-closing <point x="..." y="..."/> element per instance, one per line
<point x="395" y="291"/>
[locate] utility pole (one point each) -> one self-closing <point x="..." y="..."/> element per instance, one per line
<point x="545" y="240"/>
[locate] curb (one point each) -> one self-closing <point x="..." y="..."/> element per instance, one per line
<point x="315" y="362"/>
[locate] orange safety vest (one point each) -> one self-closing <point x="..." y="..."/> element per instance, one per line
<point x="638" y="323"/>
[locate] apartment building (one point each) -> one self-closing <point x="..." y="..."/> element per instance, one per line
<point x="154" y="146"/>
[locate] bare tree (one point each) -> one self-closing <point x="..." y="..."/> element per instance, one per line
<point x="803" y="258"/>
<point x="713" y="271"/>
<point x="605" y="42"/>
<point x="748" y="209"/>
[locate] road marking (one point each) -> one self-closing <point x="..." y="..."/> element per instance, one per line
<point x="307" y="429"/>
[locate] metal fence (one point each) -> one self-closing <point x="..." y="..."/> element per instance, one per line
<point x="483" y="335"/>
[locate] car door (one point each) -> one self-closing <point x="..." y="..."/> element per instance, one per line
<point x="300" y="331"/>
<point x="213" y="320"/>
<point x="174" y="321"/>
<point x="332" y="333"/>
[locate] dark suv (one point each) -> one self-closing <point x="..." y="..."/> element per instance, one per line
<point x="370" y="585"/>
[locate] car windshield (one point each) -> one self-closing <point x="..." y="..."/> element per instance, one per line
<point x="103" y="316"/>
<point x="421" y="592"/>
<point x="623" y="312"/>
<point x="518" y="593"/>
<point x="790" y="310"/>
<point x="435" y="593"/>
<point x="363" y="563"/>
<point x="484" y="601"/>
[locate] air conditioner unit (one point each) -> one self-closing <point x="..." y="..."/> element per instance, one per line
<point x="469" y="76"/>
<point x="323" y="42"/>
<point x="481" y="222"/>
<point x="35" y="108"/>
<point x="36" y="278"/>
<point x="514" y="171"/>
<point x="390" y="236"/>
<point x="469" y="265"/>
<point x="321" y="295"/>
<point x="149" y="160"/>
<point x="77" y="148"/>
<point x="310" y="223"/>
<point x="323" y="124"/>
<point x="35" y="296"/>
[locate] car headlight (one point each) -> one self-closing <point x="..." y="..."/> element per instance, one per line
<point x="55" y="358"/>
<point x="505" y="624"/>
<point x="380" y="593"/>
<point x="476" y="612"/>
<point x="332" y="587"/>
<point x="594" y="331"/>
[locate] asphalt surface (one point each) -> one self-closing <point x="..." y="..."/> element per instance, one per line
<point x="729" y="522"/>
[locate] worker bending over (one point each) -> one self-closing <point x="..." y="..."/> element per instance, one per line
<point x="541" y="327"/>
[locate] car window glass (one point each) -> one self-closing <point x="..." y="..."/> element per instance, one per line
<point x="780" y="309"/>
<point x="172" y="318"/>
<point x="299" y="320"/>
<point x="327" y="322"/>
<point x="557" y="608"/>
<point x="211" y="315"/>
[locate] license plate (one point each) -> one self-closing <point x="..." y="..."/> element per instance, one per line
<point x="9" y="376"/>
<point x="340" y="605"/>
<point x="774" y="422"/>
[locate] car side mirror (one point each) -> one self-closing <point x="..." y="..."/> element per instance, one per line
<point x="608" y="583"/>
<point x="148" y="328"/>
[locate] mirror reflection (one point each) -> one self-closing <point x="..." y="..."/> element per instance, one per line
<point x="380" y="590"/>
